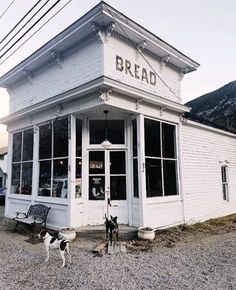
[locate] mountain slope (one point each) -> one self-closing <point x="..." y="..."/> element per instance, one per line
<point x="218" y="106"/>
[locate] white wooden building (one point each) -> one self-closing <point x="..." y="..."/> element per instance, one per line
<point x="106" y="78"/>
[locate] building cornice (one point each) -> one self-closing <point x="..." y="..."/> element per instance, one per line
<point x="96" y="87"/>
<point x="110" y="21"/>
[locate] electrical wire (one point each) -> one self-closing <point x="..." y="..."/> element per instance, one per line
<point x="4" y="12"/>
<point x="140" y="53"/>
<point x="24" y="25"/>
<point x="30" y="28"/>
<point x="35" y="32"/>
<point x="19" y="22"/>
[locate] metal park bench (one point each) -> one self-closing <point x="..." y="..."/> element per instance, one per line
<point x="35" y="216"/>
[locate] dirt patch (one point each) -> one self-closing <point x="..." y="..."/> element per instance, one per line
<point x="185" y="234"/>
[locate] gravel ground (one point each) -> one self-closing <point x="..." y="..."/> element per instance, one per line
<point x="208" y="263"/>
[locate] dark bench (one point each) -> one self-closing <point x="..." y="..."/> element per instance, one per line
<point x="35" y="216"/>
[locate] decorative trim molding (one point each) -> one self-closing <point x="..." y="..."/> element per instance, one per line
<point x="28" y="74"/>
<point x="104" y="94"/>
<point x="57" y="57"/>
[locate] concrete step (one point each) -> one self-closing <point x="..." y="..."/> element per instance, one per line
<point x="99" y="232"/>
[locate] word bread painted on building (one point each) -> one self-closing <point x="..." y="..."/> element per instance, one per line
<point x="135" y="70"/>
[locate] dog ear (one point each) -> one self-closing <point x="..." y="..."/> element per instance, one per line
<point x="111" y="217"/>
<point x="114" y="219"/>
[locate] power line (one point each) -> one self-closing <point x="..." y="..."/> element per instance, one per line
<point x="7" y="9"/>
<point x="30" y="28"/>
<point x="19" y="21"/>
<point x="23" y="25"/>
<point x="35" y="33"/>
<point x="142" y="55"/>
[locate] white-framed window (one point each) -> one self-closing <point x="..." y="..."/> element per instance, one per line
<point x="53" y="158"/>
<point x="160" y="158"/>
<point x="224" y="178"/>
<point x="22" y="162"/>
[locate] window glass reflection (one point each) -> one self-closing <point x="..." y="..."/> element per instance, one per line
<point x="45" y="178"/>
<point x="60" y="137"/>
<point x="45" y="141"/>
<point x="60" y="178"/>
<point x="26" y="183"/>
<point x="28" y="137"/>
<point x="78" y="178"/>
<point x="17" y="143"/>
<point x="15" y="178"/>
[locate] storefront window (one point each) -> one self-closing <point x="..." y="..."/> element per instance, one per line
<point x="22" y="162"/>
<point x="160" y="158"/>
<point x="53" y="159"/>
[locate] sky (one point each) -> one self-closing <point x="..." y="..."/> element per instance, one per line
<point x="204" y="30"/>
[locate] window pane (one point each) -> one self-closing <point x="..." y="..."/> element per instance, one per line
<point x="223" y="173"/>
<point x="153" y="177"/>
<point x="170" y="184"/>
<point x="135" y="177"/>
<point x="96" y="187"/>
<point x="60" y="178"/>
<point x="26" y="182"/>
<point x="78" y="180"/>
<point x="117" y="162"/>
<point x="225" y="191"/>
<point x="96" y="162"/>
<point x="15" y="179"/>
<point x="45" y="178"/>
<point x="45" y="141"/>
<point x="118" y="187"/>
<point x="17" y="142"/>
<point x="60" y="132"/>
<point x="168" y="140"/>
<point x="152" y="138"/>
<point x="115" y="131"/>
<point x="78" y="137"/>
<point x="134" y="128"/>
<point x="28" y="137"/>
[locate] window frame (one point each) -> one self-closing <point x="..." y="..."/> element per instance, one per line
<point x="21" y="161"/>
<point x="225" y="184"/>
<point x="52" y="158"/>
<point x="162" y="159"/>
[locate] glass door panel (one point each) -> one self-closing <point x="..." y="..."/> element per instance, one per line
<point x="96" y="175"/>
<point x="117" y="175"/>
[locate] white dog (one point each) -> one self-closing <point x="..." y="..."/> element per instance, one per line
<point x="55" y="243"/>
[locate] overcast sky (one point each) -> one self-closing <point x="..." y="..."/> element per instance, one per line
<point x="204" y="30"/>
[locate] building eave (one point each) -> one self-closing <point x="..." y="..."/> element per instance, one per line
<point x="96" y="87"/>
<point x="103" y="15"/>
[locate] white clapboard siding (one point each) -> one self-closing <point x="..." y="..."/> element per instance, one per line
<point x="82" y="66"/>
<point x="203" y="153"/>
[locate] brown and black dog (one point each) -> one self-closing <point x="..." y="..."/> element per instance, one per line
<point x="111" y="228"/>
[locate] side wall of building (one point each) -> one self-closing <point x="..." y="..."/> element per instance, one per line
<point x="204" y="151"/>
